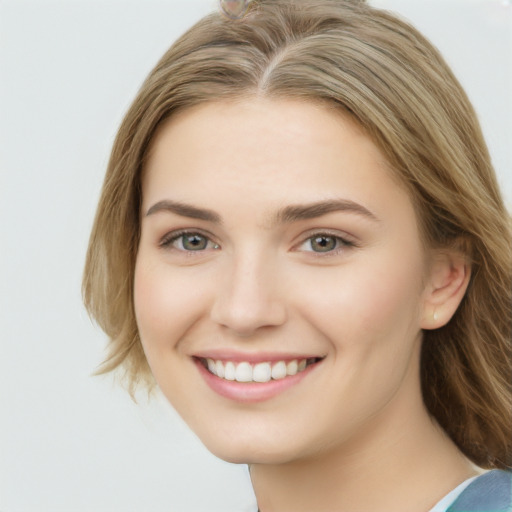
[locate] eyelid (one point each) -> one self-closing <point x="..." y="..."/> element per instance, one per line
<point x="346" y="241"/>
<point x="166" y="241"/>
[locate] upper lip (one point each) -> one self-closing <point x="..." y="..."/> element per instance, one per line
<point x="253" y="358"/>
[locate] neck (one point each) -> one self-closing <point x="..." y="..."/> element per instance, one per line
<point x="393" y="466"/>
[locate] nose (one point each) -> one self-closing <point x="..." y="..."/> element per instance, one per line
<point x="249" y="298"/>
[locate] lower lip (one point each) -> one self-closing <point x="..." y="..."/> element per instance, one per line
<point x="251" y="392"/>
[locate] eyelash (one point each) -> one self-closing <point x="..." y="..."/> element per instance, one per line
<point x="341" y="244"/>
<point x="170" y="238"/>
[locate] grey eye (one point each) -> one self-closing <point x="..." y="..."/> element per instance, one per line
<point x="323" y="243"/>
<point x="194" y="242"/>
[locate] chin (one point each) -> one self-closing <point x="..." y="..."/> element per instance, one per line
<point x="252" y="449"/>
<point x="252" y="456"/>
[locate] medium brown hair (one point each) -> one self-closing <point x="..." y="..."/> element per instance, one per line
<point x="380" y="70"/>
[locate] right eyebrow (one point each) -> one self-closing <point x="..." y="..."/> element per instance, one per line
<point x="184" y="210"/>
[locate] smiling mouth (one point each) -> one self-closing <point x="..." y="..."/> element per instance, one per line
<point x="259" y="372"/>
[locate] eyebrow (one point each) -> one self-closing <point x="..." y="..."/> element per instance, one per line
<point x="294" y="213"/>
<point x="286" y="215"/>
<point x="184" y="210"/>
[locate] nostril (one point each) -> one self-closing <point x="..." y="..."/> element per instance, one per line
<point x="245" y="317"/>
<point x="248" y="296"/>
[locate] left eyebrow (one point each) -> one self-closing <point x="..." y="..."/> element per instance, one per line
<point x="295" y="213"/>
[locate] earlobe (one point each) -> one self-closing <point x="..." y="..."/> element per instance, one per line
<point x="447" y="283"/>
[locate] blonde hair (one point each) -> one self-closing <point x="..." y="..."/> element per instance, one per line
<point x="379" y="69"/>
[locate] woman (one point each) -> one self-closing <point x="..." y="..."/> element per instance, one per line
<point x="301" y="240"/>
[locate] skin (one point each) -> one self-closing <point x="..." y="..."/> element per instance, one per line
<point x="258" y="284"/>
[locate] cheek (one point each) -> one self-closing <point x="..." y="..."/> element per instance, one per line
<point x="373" y="303"/>
<point x="389" y="301"/>
<point x="166" y="304"/>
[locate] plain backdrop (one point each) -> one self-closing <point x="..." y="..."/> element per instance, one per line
<point x="68" y="70"/>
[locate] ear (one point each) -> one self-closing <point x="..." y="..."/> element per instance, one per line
<point x="446" y="285"/>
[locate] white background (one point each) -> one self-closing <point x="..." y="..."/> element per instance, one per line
<point x="68" y="70"/>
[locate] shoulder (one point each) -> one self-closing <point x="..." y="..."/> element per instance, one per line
<point x="490" y="492"/>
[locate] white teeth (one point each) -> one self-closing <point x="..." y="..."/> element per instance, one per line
<point x="229" y="371"/>
<point x="260" y="372"/>
<point x="279" y="370"/>
<point x="243" y="372"/>
<point x="219" y="369"/>
<point x="292" y="367"/>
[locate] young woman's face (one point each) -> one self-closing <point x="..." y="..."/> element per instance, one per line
<point x="279" y="279"/>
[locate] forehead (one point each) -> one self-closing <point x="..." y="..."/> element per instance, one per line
<point x="270" y="151"/>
